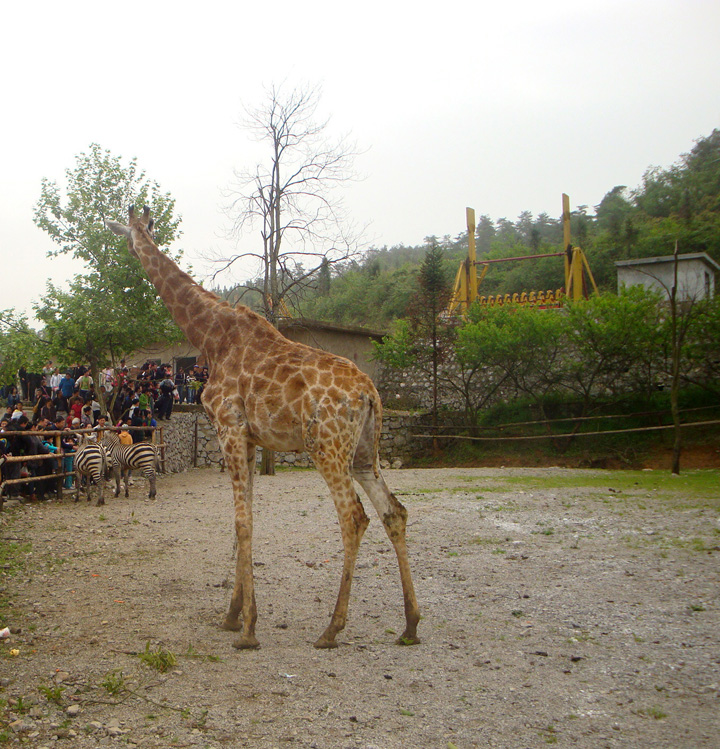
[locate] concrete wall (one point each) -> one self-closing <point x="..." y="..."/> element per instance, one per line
<point x="696" y="275"/>
<point x="191" y="441"/>
<point x="351" y="342"/>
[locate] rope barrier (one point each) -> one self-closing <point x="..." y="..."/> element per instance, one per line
<point x="545" y="422"/>
<point x="569" y="434"/>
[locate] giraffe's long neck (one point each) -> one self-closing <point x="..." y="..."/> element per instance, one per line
<point x="192" y="307"/>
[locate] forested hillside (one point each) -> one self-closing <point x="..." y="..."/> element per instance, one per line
<point x="680" y="203"/>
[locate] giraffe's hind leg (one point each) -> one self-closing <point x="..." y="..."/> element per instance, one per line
<point x="394" y="519"/>
<point x="366" y="471"/>
<point x="240" y="462"/>
<point x="353" y="522"/>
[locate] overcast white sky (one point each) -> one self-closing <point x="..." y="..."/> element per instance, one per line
<point x="498" y="106"/>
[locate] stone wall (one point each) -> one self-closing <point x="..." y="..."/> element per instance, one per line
<point x="190" y="441"/>
<point x="411" y="388"/>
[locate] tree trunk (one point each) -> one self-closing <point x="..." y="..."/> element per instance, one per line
<point x="267" y="462"/>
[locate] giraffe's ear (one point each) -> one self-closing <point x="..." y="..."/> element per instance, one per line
<point x="117" y="228"/>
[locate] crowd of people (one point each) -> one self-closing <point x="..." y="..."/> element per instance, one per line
<point x="63" y="403"/>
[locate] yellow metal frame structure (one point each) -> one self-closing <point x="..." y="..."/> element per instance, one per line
<point x="467" y="279"/>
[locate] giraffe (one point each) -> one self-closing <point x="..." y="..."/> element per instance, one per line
<point x="269" y="391"/>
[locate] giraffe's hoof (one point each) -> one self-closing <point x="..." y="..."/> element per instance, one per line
<point x="325" y="643"/>
<point x="406" y="639"/>
<point x="231" y="625"/>
<point x="248" y="642"/>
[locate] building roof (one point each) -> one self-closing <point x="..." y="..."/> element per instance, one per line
<point x="668" y="259"/>
<point x="291" y="322"/>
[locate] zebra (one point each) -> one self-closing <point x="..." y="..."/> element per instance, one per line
<point x="124" y="458"/>
<point x="90" y="462"/>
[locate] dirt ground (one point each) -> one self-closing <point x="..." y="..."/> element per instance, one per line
<point x="568" y="607"/>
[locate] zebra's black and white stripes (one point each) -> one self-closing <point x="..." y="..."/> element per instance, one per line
<point x="90" y="463"/>
<point x="123" y="458"/>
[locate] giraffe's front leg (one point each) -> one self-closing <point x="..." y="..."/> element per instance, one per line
<point x="243" y="597"/>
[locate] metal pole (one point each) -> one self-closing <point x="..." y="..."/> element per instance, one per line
<point x="472" y="270"/>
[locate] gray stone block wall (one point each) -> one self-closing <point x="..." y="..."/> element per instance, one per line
<point x="191" y="441"/>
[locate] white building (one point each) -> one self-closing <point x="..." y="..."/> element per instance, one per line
<point x="696" y="275"/>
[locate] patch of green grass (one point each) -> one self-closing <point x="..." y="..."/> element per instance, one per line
<point x="21" y="706"/>
<point x="490" y="541"/>
<point x="695" y="544"/>
<point x="52" y="694"/>
<point x="13" y="561"/>
<point x="192" y="653"/>
<point x="161" y="660"/>
<point x="653" y="712"/>
<point x="697" y="488"/>
<point x="201" y="721"/>
<point x="12" y="556"/>
<point x="699" y="545"/>
<point x="114" y="682"/>
<point x="582" y="636"/>
<point x="146" y="555"/>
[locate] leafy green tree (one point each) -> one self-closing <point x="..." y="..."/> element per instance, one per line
<point x="20" y="346"/>
<point x="614" y="343"/>
<point x="484" y="234"/>
<point x="111" y="308"/>
<point x="701" y="350"/>
<point x="430" y="302"/>
<point x="681" y="203"/>
<point x="363" y="295"/>
<point x="422" y="341"/>
<point x="324" y="278"/>
<point x="518" y="346"/>
<point x="397" y="349"/>
<point x="613" y="211"/>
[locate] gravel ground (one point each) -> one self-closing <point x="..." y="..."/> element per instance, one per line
<point x="577" y="608"/>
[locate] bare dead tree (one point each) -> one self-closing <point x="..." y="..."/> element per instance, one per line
<point x="293" y="197"/>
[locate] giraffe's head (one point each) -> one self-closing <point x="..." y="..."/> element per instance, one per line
<point x="138" y="227"/>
